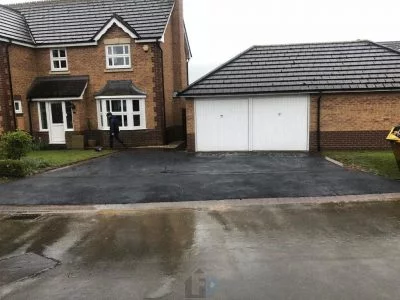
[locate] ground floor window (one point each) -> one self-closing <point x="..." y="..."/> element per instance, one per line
<point x="130" y="113"/>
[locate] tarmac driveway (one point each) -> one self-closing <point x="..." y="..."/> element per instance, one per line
<point x="150" y="176"/>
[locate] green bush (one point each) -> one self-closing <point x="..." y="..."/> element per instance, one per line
<point x="14" y="168"/>
<point x="35" y="164"/>
<point x="15" y="144"/>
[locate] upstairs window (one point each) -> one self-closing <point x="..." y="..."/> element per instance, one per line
<point x="118" y="56"/>
<point x="59" y="60"/>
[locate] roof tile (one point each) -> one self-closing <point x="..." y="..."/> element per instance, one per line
<point x="303" y="68"/>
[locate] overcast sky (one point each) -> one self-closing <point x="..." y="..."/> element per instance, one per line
<point x="220" y="29"/>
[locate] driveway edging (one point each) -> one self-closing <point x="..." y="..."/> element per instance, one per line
<point x="205" y="204"/>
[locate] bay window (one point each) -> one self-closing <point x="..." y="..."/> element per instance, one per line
<point x="129" y="112"/>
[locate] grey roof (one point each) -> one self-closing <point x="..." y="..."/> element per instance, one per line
<point x="71" y="21"/>
<point x="13" y="25"/>
<point x="393" y="44"/>
<point x="120" y="88"/>
<point x="303" y="68"/>
<point x="58" y="87"/>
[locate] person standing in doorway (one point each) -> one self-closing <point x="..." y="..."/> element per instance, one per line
<point x="114" y="129"/>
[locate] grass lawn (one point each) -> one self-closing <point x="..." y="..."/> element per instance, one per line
<point x="378" y="162"/>
<point x="58" y="158"/>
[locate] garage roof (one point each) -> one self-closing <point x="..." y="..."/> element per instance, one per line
<point x="72" y="21"/>
<point x="303" y="68"/>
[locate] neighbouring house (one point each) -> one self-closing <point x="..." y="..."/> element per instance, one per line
<point x="301" y="97"/>
<point x="65" y="63"/>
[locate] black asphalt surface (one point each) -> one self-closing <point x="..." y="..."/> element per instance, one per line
<point x="155" y="176"/>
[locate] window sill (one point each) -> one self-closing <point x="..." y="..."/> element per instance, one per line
<point x="118" y="70"/>
<point x="59" y="72"/>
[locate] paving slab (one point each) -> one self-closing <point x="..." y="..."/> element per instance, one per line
<point x="156" y="176"/>
<point x="23" y="266"/>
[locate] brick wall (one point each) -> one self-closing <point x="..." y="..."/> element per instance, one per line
<point x="6" y="103"/>
<point x="354" y="120"/>
<point x="190" y="126"/>
<point x="23" y="71"/>
<point x="175" y="71"/>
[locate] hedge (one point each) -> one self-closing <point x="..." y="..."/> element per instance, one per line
<point x="14" y="168"/>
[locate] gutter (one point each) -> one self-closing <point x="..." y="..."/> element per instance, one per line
<point x="11" y="85"/>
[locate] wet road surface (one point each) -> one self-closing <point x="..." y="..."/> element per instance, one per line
<point x="314" y="251"/>
<point x="138" y="177"/>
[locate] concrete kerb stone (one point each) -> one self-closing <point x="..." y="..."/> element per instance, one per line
<point x="338" y="163"/>
<point x="192" y="205"/>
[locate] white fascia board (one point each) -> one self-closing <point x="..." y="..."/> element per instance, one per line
<point x="4" y="40"/>
<point x="55" y="99"/>
<point x="202" y="97"/>
<point x="166" y="25"/>
<point x="23" y="44"/>
<point x="146" y="41"/>
<point x="84" y="44"/>
<point x="83" y="92"/>
<point x="111" y="23"/>
<point x="121" y="97"/>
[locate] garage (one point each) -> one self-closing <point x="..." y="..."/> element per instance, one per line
<point x="268" y="123"/>
<point x="296" y="97"/>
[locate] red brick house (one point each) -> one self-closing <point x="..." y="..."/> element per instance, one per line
<point x="300" y="97"/>
<point x="65" y="64"/>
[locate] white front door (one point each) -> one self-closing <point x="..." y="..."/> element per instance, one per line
<point x="56" y="112"/>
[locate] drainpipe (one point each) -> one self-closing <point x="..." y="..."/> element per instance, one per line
<point x="11" y="86"/>
<point x="163" y="92"/>
<point x="319" y="122"/>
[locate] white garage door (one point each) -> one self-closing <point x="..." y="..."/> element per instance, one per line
<point x="278" y="123"/>
<point x="222" y="125"/>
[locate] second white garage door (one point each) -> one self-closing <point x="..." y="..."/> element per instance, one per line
<point x="278" y="123"/>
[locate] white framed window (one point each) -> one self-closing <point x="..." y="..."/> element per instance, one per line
<point x="18" y="106"/>
<point x="59" y="60"/>
<point x="42" y="113"/>
<point x="130" y="113"/>
<point x="118" y="56"/>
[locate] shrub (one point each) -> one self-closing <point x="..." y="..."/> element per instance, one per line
<point x="14" y="168"/>
<point x="35" y="164"/>
<point x="15" y="144"/>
